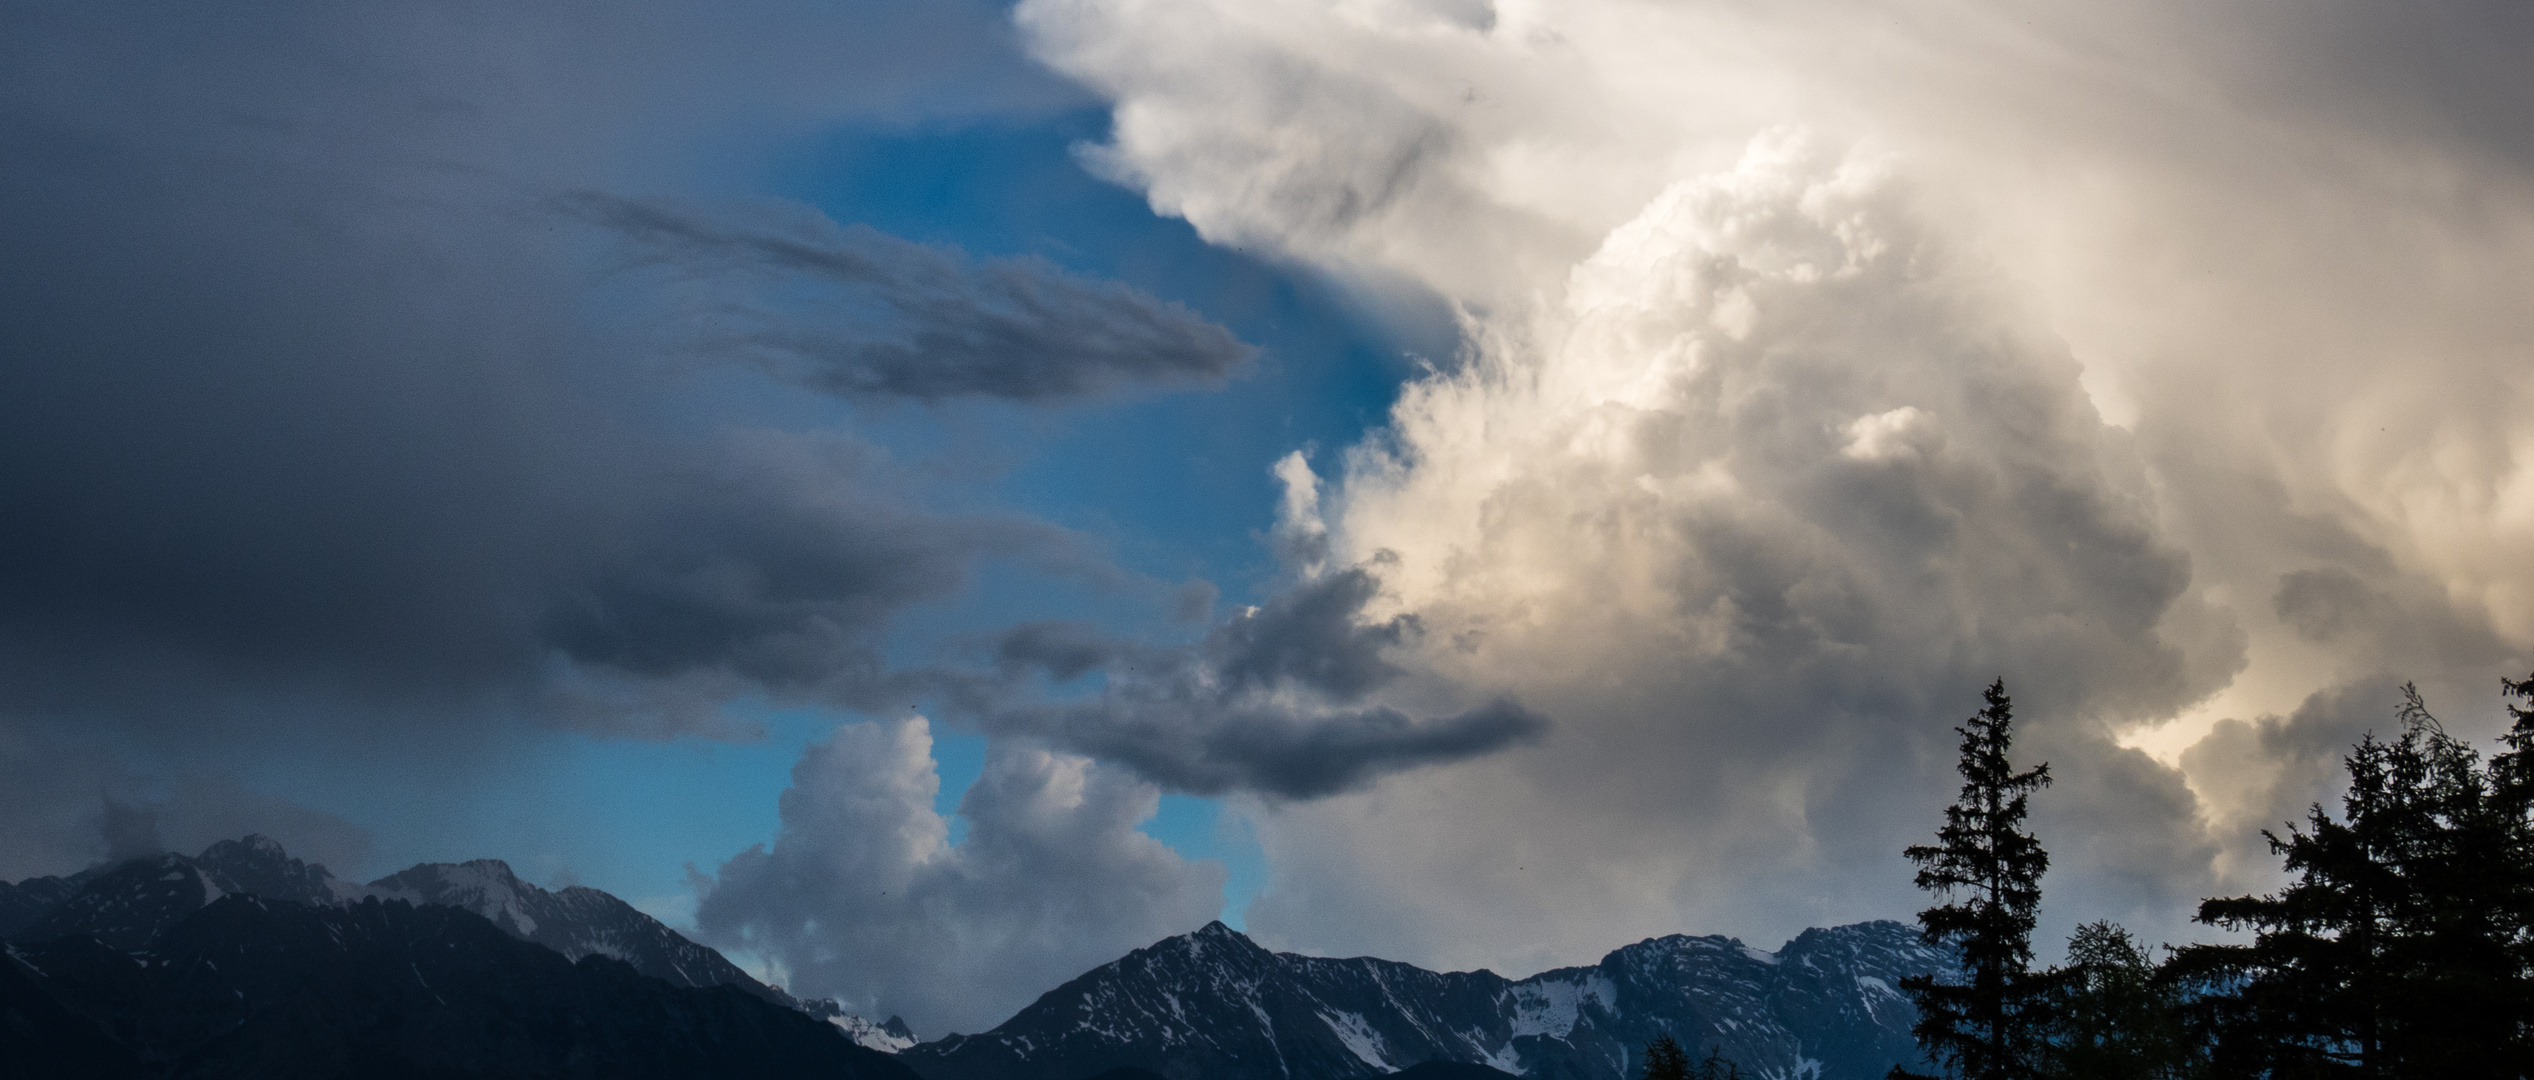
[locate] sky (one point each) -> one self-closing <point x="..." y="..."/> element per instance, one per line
<point x="928" y="497"/>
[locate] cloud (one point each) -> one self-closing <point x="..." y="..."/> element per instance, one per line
<point x="72" y="803"/>
<point x="203" y="809"/>
<point x="1301" y="537"/>
<point x="893" y="318"/>
<point x="316" y="413"/>
<point x="1822" y="366"/>
<point x="772" y="569"/>
<point x="864" y="898"/>
<point x="199" y="810"/>
<point x="2275" y="767"/>
<point x="330" y="439"/>
<point x="2324" y="604"/>
<point x="1280" y="700"/>
<point x="131" y="832"/>
<point x="1657" y="523"/>
<point x="1208" y="749"/>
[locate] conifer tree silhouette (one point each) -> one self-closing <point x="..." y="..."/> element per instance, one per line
<point x="2399" y="949"/>
<point x="1665" y="1060"/>
<point x="1987" y="871"/>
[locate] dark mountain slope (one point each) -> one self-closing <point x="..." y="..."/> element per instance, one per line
<point x="1450" y="1070"/>
<point x="25" y="902"/>
<point x="126" y="905"/>
<point x="1214" y="1004"/>
<point x="259" y="866"/>
<point x="41" y="1039"/>
<point x="249" y="988"/>
<point x="575" y="921"/>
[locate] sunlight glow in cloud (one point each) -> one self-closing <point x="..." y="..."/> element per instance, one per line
<point x="1793" y="334"/>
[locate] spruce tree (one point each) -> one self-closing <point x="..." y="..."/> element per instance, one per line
<point x="2112" y="1018"/>
<point x="1665" y="1060"/>
<point x="1716" y="1067"/>
<point x="2457" y="1010"/>
<point x="2398" y="949"/>
<point x="2303" y="997"/>
<point x="1987" y="871"/>
<point x="2512" y="801"/>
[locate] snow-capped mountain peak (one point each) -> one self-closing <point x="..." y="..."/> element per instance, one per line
<point x="576" y="921"/>
<point x="486" y="887"/>
<point x="888" y="1037"/>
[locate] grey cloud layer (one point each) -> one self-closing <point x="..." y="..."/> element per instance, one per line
<point x="944" y="326"/>
<point x="1275" y="700"/>
<point x="318" y="412"/>
<point x="772" y="567"/>
<point x="298" y="391"/>
<point x="69" y="801"/>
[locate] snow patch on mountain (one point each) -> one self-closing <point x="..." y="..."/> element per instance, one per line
<point x="484" y="886"/>
<point x="1548" y="1005"/>
<point x="1213" y="1004"/>
<point x="125" y="906"/>
<point x="1359" y="1037"/>
<point x="888" y="1037"/>
<point x="1505" y="1060"/>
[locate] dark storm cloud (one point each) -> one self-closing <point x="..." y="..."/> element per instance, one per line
<point x="2444" y="77"/>
<point x="774" y="567"/>
<point x="1187" y="742"/>
<point x="312" y="405"/>
<point x="198" y="810"/>
<point x="902" y="319"/>
<point x="2324" y="604"/>
<point x="1274" y="700"/>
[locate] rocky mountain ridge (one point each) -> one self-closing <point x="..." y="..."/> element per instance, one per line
<point x="1215" y="1005"/>
<point x="249" y="987"/>
<point x="1208" y="1005"/>
<point x="125" y="906"/>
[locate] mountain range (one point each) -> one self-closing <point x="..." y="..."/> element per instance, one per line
<point x="248" y="987"/>
<point x="110" y="962"/>
<point x="1214" y="1004"/>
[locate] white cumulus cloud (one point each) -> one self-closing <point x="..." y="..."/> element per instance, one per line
<point x="863" y="897"/>
<point x="1825" y="360"/>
